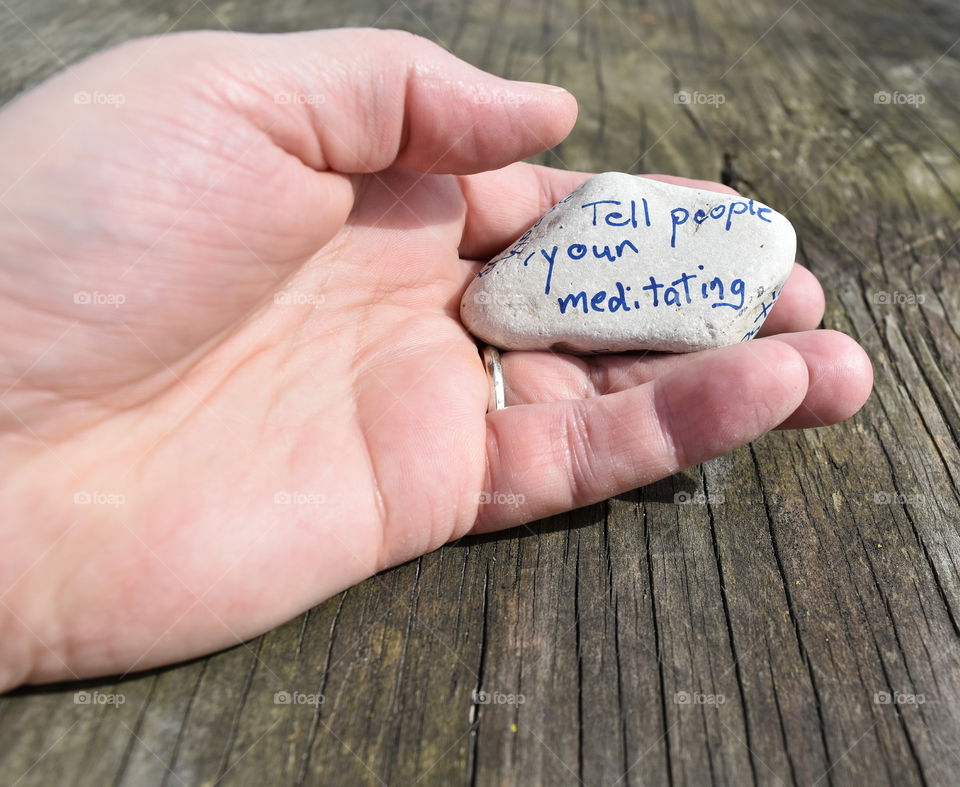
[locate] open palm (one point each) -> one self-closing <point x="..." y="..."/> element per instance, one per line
<point x="236" y="380"/>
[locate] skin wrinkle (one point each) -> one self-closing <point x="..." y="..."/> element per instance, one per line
<point x="404" y="140"/>
<point x="380" y="503"/>
<point x="765" y="406"/>
<point x="672" y="444"/>
<point x="14" y="667"/>
<point x="384" y="558"/>
<point x="228" y="149"/>
<point x="389" y="141"/>
<point x="355" y="371"/>
<point x="54" y="645"/>
<point x="576" y="446"/>
<point x="464" y="184"/>
<point x="595" y="380"/>
<point x="252" y="100"/>
<point x="378" y="355"/>
<point x="200" y="350"/>
<point x="145" y="390"/>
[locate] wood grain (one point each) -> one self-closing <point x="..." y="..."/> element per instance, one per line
<point x="747" y="636"/>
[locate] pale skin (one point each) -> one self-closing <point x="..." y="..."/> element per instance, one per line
<point x="188" y="410"/>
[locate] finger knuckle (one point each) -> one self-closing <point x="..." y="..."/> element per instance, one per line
<point x="579" y="451"/>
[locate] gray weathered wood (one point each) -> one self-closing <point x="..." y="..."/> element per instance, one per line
<point x="821" y="568"/>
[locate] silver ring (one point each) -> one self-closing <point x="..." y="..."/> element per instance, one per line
<point x="491" y="362"/>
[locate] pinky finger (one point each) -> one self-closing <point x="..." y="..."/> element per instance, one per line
<point x="546" y="458"/>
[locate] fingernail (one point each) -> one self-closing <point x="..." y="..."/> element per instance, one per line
<point x="542" y="86"/>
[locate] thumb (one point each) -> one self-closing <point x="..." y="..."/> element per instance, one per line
<point x="360" y="100"/>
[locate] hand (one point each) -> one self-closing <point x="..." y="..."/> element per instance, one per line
<point x="236" y="380"/>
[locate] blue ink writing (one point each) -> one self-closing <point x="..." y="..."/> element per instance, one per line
<point x="550" y="260"/>
<point x="615" y="218"/>
<point x="677" y="293"/>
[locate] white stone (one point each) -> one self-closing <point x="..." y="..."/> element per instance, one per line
<point x="660" y="267"/>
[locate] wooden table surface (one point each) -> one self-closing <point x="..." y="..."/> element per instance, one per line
<point x="795" y="622"/>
